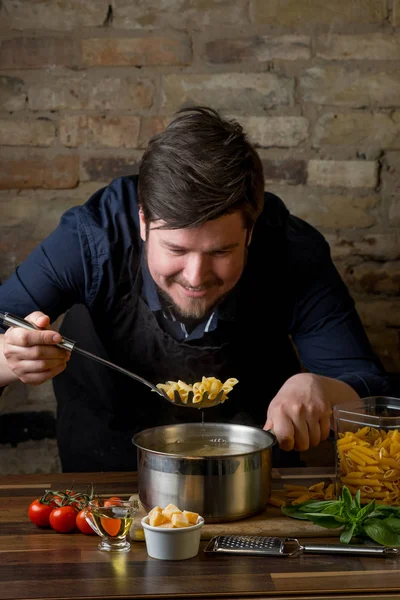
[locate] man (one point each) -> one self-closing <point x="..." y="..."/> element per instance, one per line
<point x="187" y="270"/>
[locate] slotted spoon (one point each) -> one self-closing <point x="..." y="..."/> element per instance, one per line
<point x="13" y="321"/>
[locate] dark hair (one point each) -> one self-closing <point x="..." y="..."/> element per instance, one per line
<point x="199" y="168"/>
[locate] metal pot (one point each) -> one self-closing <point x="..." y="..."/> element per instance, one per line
<point x="221" y="471"/>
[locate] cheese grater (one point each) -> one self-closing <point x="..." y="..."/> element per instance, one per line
<point x="274" y="546"/>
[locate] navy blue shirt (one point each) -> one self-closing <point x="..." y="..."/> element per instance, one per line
<point x="80" y="263"/>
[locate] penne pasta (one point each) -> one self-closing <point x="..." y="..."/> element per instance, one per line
<point x="369" y="461"/>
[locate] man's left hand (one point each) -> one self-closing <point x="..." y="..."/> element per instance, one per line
<point x="300" y="414"/>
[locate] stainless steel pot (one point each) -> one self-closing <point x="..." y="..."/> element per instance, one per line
<point x="220" y="470"/>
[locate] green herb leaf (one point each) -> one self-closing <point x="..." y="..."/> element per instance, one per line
<point x="380" y="523"/>
<point x="328" y="522"/>
<point x="347" y="533"/>
<point x="380" y="532"/>
<point x="347" y="499"/>
<point x="294" y="512"/>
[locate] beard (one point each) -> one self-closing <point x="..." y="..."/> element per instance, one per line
<point x="196" y="309"/>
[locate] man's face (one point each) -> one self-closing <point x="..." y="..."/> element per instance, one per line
<point x="195" y="268"/>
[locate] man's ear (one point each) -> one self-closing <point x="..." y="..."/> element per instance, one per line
<point x="142" y="222"/>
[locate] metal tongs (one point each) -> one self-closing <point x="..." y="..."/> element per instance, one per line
<point x="274" y="546"/>
<point x="11" y="320"/>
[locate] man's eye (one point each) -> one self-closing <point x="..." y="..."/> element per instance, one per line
<point x="221" y="252"/>
<point x="176" y="251"/>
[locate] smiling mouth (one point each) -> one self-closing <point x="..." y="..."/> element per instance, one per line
<point x="194" y="292"/>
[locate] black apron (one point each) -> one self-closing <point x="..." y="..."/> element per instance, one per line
<point x="99" y="410"/>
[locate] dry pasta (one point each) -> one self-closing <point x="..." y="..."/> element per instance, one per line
<point x="369" y="461"/>
<point x="292" y="494"/>
<point x="211" y="385"/>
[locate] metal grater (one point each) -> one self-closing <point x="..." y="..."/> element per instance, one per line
<point x="274" y="546"/>
<point x="247" y="544"/>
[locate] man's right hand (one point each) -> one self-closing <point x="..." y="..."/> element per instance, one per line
<point x="32" y="356"/>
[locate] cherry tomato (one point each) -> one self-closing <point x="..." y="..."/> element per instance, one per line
<point x="39" y="513"/>
<point x="113" y="501"/>
<point x="111" y="526"/>
<point x="63" y="519"/>
<point x="82" y="524"/>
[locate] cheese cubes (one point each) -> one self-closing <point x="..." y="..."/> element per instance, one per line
<point x="171" y="516"/>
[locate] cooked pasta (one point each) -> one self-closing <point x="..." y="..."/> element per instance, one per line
<point x="211" y="385"/>
<point x="369" y="461"/>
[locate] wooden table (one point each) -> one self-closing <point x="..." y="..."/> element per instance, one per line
<point x="40" y="563"/>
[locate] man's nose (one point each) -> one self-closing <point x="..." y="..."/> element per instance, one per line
<point x="196" y="270"/>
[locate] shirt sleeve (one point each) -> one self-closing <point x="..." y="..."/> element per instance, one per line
<point x="325" y="327"/>
<point x="53" y="277"/>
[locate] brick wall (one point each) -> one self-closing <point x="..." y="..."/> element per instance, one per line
<point x="85" y="83"/>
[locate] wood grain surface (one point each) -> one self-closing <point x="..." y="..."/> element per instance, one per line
<point x="42" y="564"/>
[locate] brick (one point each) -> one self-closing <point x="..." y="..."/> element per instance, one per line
<point x="371" y="46"/>
<point x="39" y="171"/>
<point x="394" y="212"/>
<point x="24" y="132"/>
<point x="386" y="344"/>
<point x="73" y="130"/>
<point x="341" y="87"/>
<point x="292" y="13"/>
<point x="396" y="13"/>
<point x="281" y="132"/>
<point x="33" y="456"/>
<point x="380" y="312"/>
<point x="15" y="245"/>
<point x="259" y="48"/>
<point x="113" y="132"/>
<point x="229" y="91"/>
<point x="337" y="173"/>
<point x="106" y="168"/>
<point x="147" y="51"/>
<point x="362" y="130"/>
<point x="374" y="246"/>
<point x="390" y="177"/>
<point x="38" y="211"/>
<point x="375" y="278"/>
<point x="328" y="210"/>
<point x="60" y="15"/>
<point x="290" y="171"/>
<point x="13" y="94"/>
<point x="179" y="15"/>
<point x="149" y="127"/>
<point x="90" y="92"/>
<point x="35" y="53"/>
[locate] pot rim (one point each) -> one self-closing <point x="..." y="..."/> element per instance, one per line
<point x="268" y="434"/>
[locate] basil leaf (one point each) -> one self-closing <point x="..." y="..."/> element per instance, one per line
<point x="381" y="533"/>
<point x="384" y="508"/>
<point x="366" y="510"/>
<point x="393" y="523"/>
<point x="347" y="533"/>
<point x="347" y="498"/>
<point x="317" y="505"/>
<point x="327" y="522"/>
<point x="292" y="511"/>
<point x="333" y="509"/>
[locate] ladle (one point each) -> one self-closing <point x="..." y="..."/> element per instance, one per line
<point x="13" y="321"/>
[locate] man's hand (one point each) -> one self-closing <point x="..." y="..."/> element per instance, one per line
<point x="32" y="356"/>
<point x="300" y="414"/>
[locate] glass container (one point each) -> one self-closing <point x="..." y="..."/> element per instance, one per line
<point x="367" y="440"/>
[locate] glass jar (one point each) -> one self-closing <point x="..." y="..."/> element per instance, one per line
<point x="367" y="440"/>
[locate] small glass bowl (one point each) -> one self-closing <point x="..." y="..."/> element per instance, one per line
<point x="174" y="543"/>
<point x="367" y="437"/>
